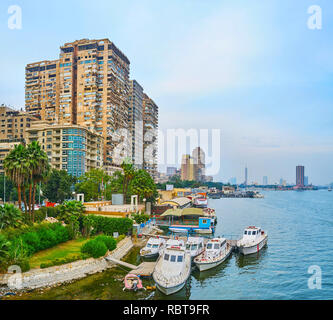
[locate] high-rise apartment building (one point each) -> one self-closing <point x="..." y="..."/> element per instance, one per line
<point x="300" y="176"/>
<point x="89" y="86"/>
<point x="135" y="117"/>
<point x="198" y="156"/>
<point x="69" y="147"/>
<point x="306" y="180"/>
<point x="246" y="176"/>
<point x="187" y="168"/>
<point x="150" y="132"/>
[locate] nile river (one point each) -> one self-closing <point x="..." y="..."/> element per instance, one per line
<point x="300" y="235"/>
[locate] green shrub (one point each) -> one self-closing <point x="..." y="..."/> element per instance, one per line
<point x="121" y="237"/>
<point x="32" y="241"/>
<point x="110" y="242"/>
<point x="109" y="225"/>
<point x="95" y="248"/>
<point x="141" y="218"/>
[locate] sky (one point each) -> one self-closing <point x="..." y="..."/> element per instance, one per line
<point x="252" y="69"/>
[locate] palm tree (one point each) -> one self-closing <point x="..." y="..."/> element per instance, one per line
<point x="16" y="168"/>
<point x="129" y="173"/>
<point x="38" y="168"/>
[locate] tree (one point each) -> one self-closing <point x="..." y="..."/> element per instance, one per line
<point x="70" y="212"/>
<point x="58" y="186"/>
<point x="128" y="175"/>
<point x="92" y="183"/>
<point x="144" y="186"/>
<point x="10" y="216"/>
<point x="39" y="168"/>
<point x="17" y="169"/>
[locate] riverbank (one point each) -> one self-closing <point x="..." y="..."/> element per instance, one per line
<point x="58" y="275"/>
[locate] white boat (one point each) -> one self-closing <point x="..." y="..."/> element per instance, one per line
<point x="254" y="239"/>
<point x="172" y="270"/>
<point x="200" y="202"/>
<point x="173" y="243"/>
<point x="152" y="247"/>
<point x="195" y="246"/>
<point x="217" y="250"/>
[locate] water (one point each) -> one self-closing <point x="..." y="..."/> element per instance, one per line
<point x="300" y="234"/>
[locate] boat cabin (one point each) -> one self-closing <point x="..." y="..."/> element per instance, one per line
<point x="174" y="243"/>
<point x="154" y="243"/>
<point x="252" y="232"/>
<point x="194" y="244"/>
<point x="174" y="255"/>
<point x="205" y="223"/>
<point x="215" y="244"/>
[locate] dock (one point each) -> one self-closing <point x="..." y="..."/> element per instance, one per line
<point x="122" y="263"/>
<point x="145" y="269"/>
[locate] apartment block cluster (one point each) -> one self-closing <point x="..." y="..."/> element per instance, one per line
<point x="86" y="111"/>
<point x="193" y="167"/>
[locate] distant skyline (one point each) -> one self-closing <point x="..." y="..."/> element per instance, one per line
<point x="252" y="69"/>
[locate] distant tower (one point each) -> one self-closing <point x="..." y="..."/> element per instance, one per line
<point x="265" y="181"/>
<point x="245" y="176"/>
<point x="300" y="176"/>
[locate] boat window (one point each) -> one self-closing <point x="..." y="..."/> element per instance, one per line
<point x="253" y="232"/>
<point x="200" y="245"/>
<point x="155" y="245"/>
<point x="173" y="259"/>
<point x="216" y="246"/>
<point x="245" y="232"/>
<point x="180" y="259"/>
<point x="209" y="245"/>
<point x="166" y="257"/>
<point x="194" y="247"/>
<point x="188" y="247"/>
<point x="148" y="245"/>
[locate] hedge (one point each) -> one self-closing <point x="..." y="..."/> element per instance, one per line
<point x="95" y="248"/>
<point x="108" y="225"/>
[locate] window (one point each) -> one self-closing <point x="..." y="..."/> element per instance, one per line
<point x="209" y="246"/>
<point x="173" y="259"/>
<point x="253" y="232"/>
<point x="166" y="257"/>
<point x="180" y="259"/>
<point x="194" y="247"/>
<point x="155" y="245"/>
<point x="148" y="245"/>
<point x="245" y="232"/>
<point x="216" y="246"/>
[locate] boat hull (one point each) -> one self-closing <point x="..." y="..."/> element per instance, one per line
<point x="170" y="290"/>
<point x="150" y="255"/>
<point x="246" y="250"/>
<point x="203" y="266"/>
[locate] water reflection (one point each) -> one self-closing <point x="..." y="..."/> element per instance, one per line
<point x="251" y="259"/>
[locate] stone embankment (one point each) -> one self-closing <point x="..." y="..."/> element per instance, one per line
<point x="53" y="276"/>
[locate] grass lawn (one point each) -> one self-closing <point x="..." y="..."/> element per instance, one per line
<point x="63" y="250"/>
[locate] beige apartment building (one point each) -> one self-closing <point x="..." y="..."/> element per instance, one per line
<point x="13" y="130"/>
<point x="188" y="168"/>
<point x="87" y="86"/>
<point x="150" y="134"/>
<point x="69" y="147"/>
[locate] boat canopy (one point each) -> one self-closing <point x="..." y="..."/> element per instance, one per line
<point x="183" y="212"/>
<point x="178" y="202"/>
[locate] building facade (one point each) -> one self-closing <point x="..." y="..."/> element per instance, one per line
<point x="150" y="135"/>
<point x="69" y="147"/>
<point x="171" y="171"/>
<point x="187" y="168"/>
<point x="300" y="176"/>
<point x="198" y="156"/>
<point x="135" y="119"/>
<point x="87" y="86"/>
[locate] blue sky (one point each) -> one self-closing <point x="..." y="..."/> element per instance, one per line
<point x="251" y="68"/>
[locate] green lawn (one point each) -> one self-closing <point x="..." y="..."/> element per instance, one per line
<point x="63" y="250"/>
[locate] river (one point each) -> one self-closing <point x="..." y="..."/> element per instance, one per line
<point x="300" y="235"/>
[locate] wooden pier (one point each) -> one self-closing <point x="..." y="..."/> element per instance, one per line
<point x="145" y="269"/>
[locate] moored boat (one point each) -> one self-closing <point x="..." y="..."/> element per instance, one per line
<point x="132" y="282"/>
<point x="176" y="242"/>
<point x="253" y="240"/>
<point x="200" y="202"/>
<point x="152" y="247"/>
<point x="172" y="270"/>
<point x="217" y="250"/>
<point x="195" y="246"/>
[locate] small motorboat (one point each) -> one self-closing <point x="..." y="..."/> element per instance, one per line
<point x="176" y="242"/>
<point x="217" y="251"/>
<point x="133" y="282"/>
<point x="200" y="202"/>
<point x="152" y="247"/>
<point x="195" y="246"/>
<point x="172" y="270"/>
<point x="254" y="239"/>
